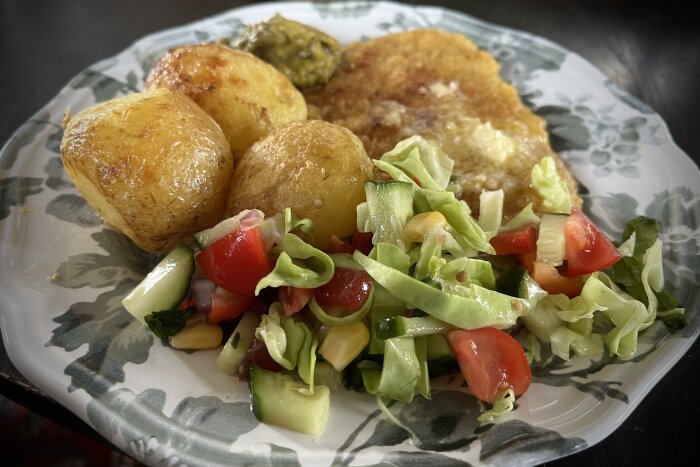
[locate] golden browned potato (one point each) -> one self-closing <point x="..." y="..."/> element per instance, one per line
<point x="316" y="168"/>
<point x="153" y="164"/>
<point x="245" y="95"/>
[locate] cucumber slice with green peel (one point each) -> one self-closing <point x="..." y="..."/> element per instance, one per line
<point x="390" y="206"/>
<point x="551" y="241"/>
<point x="518" y="283"/>
<point x="281" y="401"/>
<point x="236" y="348"/>
<point x="165" y="287"/>
<point x="401" y="326"/>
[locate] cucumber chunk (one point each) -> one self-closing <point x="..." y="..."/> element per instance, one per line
<point x="165" y="287"/>
<point x="236" y="348"/>
<point x="551" y="241"/>
<point x="281" y="401"/>
<point x="401" y="326"/>
<point x="390" y="206"/>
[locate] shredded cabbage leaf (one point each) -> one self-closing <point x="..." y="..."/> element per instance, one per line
<point x="298" y="265"/>
<point x="503" y="404"/>
<point x="551" y="188"/>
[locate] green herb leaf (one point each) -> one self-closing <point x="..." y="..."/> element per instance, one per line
<point x="646" y="231"/>
<point x="167" y="323"/>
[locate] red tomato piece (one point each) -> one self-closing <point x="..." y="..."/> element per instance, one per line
<point x="293" y="299"/>
<point x="236" y="262"/>
<point x="491" y="361"/>
<point x="587" y="248"/>
<point x="522" y="240"/>
<point x="548" y="277"/>
<point x="348" y="289"/>
<point x="226" y="306"/>
<point x="362" y="241"/>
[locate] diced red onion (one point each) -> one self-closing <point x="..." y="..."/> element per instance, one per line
<point x="202" y="293"/>
<point x="251" y="219"/>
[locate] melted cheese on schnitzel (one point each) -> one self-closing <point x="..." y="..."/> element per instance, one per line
<point x="441" y="86"/>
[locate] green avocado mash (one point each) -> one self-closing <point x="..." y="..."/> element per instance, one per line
<point x="307" y="56"/>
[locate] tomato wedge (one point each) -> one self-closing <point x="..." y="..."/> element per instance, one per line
<point x="348" y="289"/>
<point x="587" y="249"/>
<point x="293" y="299"/>
<point x="236" y="262"/>
<point x="548" y="277"/>
<point x="522" y="240"/>
<point x="491" y="361"/>
<point x="226" y="305"/>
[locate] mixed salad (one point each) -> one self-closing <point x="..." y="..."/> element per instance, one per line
<point x="425" y="287"/>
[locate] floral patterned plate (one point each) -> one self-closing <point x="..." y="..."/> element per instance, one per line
<point x="63" y="274"/>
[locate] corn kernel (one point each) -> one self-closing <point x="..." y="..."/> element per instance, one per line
<point x="201" y="336"/>
<point x="419" y="225"/>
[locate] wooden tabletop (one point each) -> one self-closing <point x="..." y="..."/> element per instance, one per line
<point x="650" y="49"/>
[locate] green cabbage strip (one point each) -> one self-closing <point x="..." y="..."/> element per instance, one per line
<point x="429" y="249"/>
<point x="430" y="252"/>
<point x="563" y="340"/>
<point x="629" y="316"/>
<point x="283" y="337"/>
<point x="463" y="226"/>
<point x="391" y="255"/>
<point x="417" y="159"/>
<point x="491" y="212"/>
<point x="468" y="270"/>
<point x="423" y="384"/>
<point x="344" y="261"/>
<point x="501" y="406"/>
<point x="331" y="320"/>
<point x="289" y="342"/>
<point x="640" y="271"/>
<point x="482" y="308"/>
<point x="566" y="324"/>
<point x="306" y="365"/>
<point x="364" y="223"/>
<point x="421" y="160"/>
<point x="399" y="374"/>
<point x="551" y="188"/>
<point x="384" y="305"/>
<point x="276" y="227"/>
<point x="298" y="265"/>
<point x="525" y="217"/>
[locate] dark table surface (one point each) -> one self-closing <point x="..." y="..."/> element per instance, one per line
<point x="651" y="49"/>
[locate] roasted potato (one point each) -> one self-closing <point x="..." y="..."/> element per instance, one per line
<point x="316" y="168"/>
<point x="245" y="95"/>
<point x="153" y="164"/>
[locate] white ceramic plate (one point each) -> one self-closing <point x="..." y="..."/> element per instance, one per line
<point x="63" y="274"/>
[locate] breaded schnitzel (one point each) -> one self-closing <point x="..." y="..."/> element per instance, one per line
<point x="442" y="87"/>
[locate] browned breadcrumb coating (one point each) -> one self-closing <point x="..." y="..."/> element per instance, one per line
<point x="440" y="86"/>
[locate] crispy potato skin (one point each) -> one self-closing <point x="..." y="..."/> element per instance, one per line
<point x="153" y="164"/>
<point x="316" y="168"/>
<point x="245" y="95"/>
<point x="436" y="84"/>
